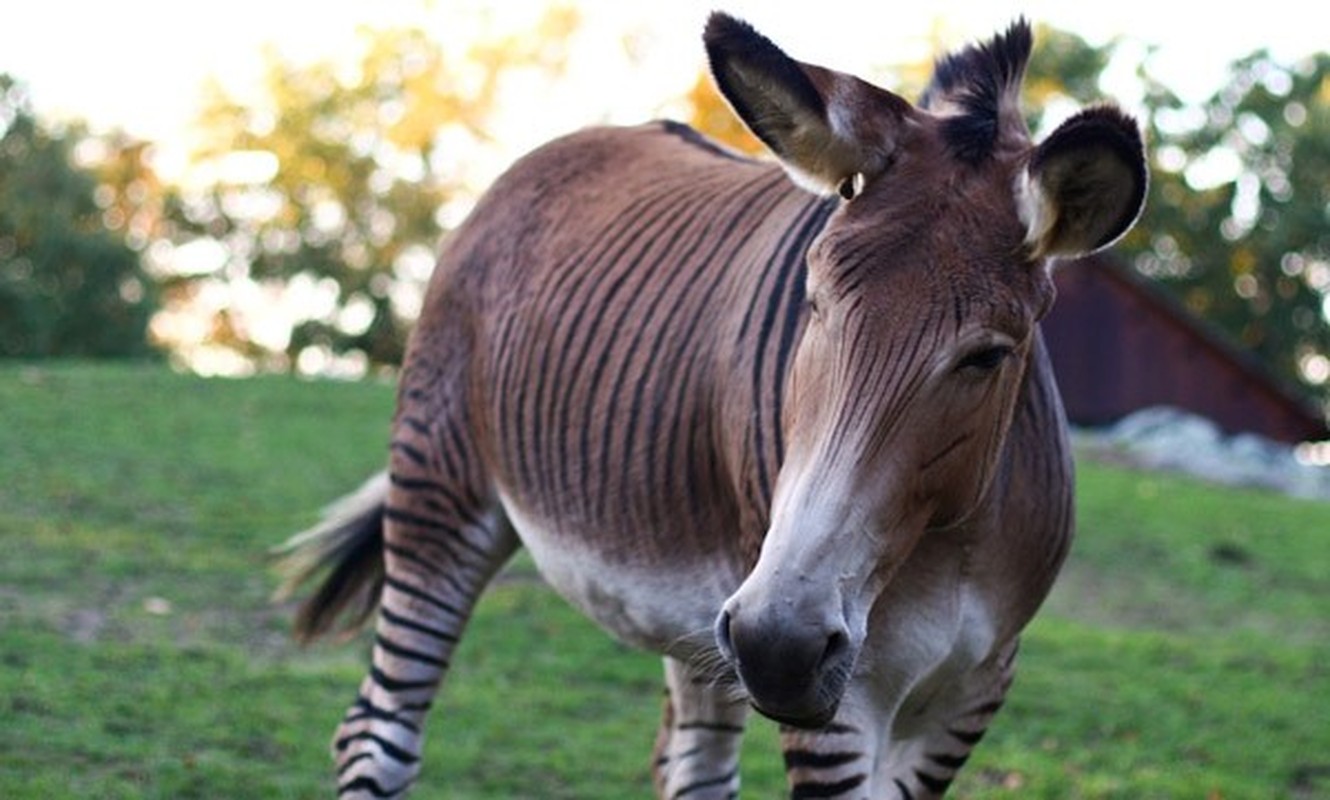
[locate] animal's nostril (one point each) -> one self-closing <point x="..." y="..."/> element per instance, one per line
<point x="837" y="644"/>
<point x="723" y="635"/>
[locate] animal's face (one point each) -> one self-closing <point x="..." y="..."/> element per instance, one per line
<point x="915" y="345"/>
<point x="924" y="292"/>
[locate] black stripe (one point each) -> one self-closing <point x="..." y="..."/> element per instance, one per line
<point x="389" y="646"/>
<point x="651" y="285"/>
<point x="389" y="749"/>
<point x="654" y="366"/>
<point x="834" y="728"/>
<point x="456" y="446"/>
<point x="414" y="424"/>
<point x="948" y="761"/>
<point x="505" y="365"/>
<point x="370" y="711"/>
<point x="449" y="464"/>
<point x="419" y="627"/>
<point x="597" y="265"/>
<point x="406" y="554"/>
<point x="420" y="594"/>
<point x="815" y="789"/>
<point x="426" y="523"/>
<point x="716" y="727"/>
<point x="794" y="318"/>
<point x="688" y="357"/>
<point x="906" y="794"/>
<point x="944" y="452"/>
<point x="1011" y="655"/>
<point x="365" y="783"/>
<point x="415" y="484"/>
<point x="352" y="761"/>
<point x="460" y="508"/>
<point x="689" y="753"/>
<point x="438" y="570"/>
<point x="433" y="568"/>
<point x="735" y="236"/>
<point x="416" y="455"/>
<point x="809" y="759"/>
<point x="932" y="783"/>
<point x="395" y="685"/>
<point x="810" y="219"/>
<point x="705" y="784"/>
<point x="967" y="737"/>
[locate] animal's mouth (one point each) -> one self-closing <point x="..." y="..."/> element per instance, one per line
<point x="802" y="720"/>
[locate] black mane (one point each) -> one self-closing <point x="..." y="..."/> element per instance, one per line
<point x="977" y="80"/>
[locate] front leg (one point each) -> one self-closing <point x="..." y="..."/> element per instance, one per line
<point x="912" y="753"/>
<point x="832" y="762"/>
<point x="697" y="748"/>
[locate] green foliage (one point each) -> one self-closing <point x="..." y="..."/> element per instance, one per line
<point x="1239" y="225"/>
<point x="332" y="182"/>
<point x="1236" y="223"/>
<point x="68" y="285"/>
<point x="1182" y="655"/>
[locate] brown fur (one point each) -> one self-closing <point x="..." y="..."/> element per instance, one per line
<point x="699" y="395"/>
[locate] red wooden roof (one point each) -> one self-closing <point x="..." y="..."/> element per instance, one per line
<point x="1119" y="344"/>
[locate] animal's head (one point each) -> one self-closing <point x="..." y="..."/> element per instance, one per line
<point x="924" y="292"/>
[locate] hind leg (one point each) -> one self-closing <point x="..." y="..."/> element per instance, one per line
<point x="697" y="748"/>
<point x="442" y="544"/>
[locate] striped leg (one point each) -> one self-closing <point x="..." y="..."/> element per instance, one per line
<point x="924" y="766"/>
<point x="834" y="762"/>
<point x="697" y="748"/>
<point x="856" y="757"/>
<point x="441" y="547"/>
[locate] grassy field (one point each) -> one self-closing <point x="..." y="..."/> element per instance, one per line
<point x="1185" y="654"/>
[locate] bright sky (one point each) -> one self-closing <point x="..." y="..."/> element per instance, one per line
<point x="139" y="64"/>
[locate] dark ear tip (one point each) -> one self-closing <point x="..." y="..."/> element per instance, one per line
<point x="722" y="27"/>
<point x="1106" y="124"/>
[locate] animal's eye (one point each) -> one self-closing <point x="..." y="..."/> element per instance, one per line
<point x="813" y="307"/>
<point x="985" y="359"/>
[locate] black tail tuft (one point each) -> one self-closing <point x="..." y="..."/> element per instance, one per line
<point x="346" y="547"/>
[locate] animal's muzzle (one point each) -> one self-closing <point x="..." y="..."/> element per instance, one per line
<point x="795" y="670"/>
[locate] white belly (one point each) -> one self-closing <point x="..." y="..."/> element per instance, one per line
<point x="665" y="608"/>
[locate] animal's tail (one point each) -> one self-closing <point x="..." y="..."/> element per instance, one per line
<point x="347" y="545"/>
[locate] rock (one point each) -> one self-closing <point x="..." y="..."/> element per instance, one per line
<point x="1171" y="439"/>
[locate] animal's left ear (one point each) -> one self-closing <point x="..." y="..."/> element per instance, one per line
<point x="1084" y="185"/>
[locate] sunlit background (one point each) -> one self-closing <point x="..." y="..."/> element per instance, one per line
<point x="283" y="172"/>
<point x="141" y="65"/>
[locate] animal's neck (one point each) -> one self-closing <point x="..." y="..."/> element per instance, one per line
<point x="765" y="326"/>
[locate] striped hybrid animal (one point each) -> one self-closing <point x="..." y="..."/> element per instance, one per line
<point x="804" y="444"/>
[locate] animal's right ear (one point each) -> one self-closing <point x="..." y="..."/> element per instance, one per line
<point x="830" y="130"/>
<point x="1085" y="184"/>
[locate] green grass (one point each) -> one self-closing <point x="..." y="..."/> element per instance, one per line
<point x="1185" y="653"/>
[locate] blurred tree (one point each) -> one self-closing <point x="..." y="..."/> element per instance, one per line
<point x="327" y="195"/>
<point x="1237" y="223"/>
<point x="1239" y="217"/>
<point x="70" y="285"/>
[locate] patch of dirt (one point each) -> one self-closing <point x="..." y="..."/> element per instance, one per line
<point x="85" y="625"/>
